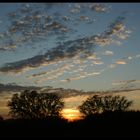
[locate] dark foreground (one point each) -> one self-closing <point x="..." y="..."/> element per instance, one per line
<point x="106" y="124"/>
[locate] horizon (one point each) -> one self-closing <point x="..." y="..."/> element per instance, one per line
<point x="70" y="111"/>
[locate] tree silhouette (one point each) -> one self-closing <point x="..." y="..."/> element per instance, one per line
<point x="33" y="105"/>
<point x="1" y="118"/>
<point x="99" y="104"/>
<point x="115" y="103"/>
<point x="91" y="105"/>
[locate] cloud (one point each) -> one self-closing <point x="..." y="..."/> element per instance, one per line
<point x="120" y="62"/>
<point x="138" y="56"/>
<point x="125" y="82"/>
<point x="118" y="29"/>
<point x="81" y="75"/>
<point x="103" y="40"/>
<point x="93" y="56"/>
<point x="97" y="62"/>
<point x="37" y="74"/>
<point x="29" y="24"/>
<point x="84" y="18"/>
<point x="66" y="18"/>
<point x="108" y="53"/>
<point x="75" y="9"/>
<point x="68" y="50"/>
<point x="123" y="34"/>
<point x="12" y="87"/>
<point x="94" y="73"/>
<point x="112" y="65"/>
<point x="83" y="48"/>
<point x="74" y="101"/>
<point x="6" y="42"/>
<point x="78" y="61"/>
<point x="98" y="7"/>
<point x="65" y="80"/>
<point x="123" y="60"/>
<point x="59" y="69"/>
<point x="53" y="74"/>
<point x="130" y="57"/>
<point x="76" y="77"/>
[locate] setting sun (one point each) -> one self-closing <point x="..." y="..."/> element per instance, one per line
<point x="71" y="114"/>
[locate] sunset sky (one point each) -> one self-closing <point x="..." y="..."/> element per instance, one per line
<point x="84" y="46"/>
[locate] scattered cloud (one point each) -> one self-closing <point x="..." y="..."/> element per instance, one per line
<point x="117" y="62"/>
<point x="97" y="62"/>
<point x="37" y="74"/>
<point x="29" y="24"/>
<point x="68" y="50"/>
<point x="108" y="53"/>
<point x="53" y="74"/>
<point x="84" y="18"/>
<point x="75" y="9"/>
<point x="83" y="48"/>
<point x="138" y="56"/>
<point x="119" y="29"/>
<point x="120" y="62"/>
<point x="103" y="40"/>
<point x="98" y="7"/>
<point x="112" y="65"/>
<point x="125" y="82"/>
<point x="66" y="18"/>
<point x="94" y="73"/>
<point x="65" y="80"/>
<point x="130" y="57"/>
<point x="81" y="75"/>
<point x="116" y="29"/>
<point x="93" y="56"/>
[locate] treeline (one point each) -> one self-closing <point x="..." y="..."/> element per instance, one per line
<point x="34" y="105"/>
<point x="39" y="114"/>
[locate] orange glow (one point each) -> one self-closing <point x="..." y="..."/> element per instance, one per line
<point x="71" y="114"/>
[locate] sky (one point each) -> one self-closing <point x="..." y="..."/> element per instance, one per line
<point x="83" y="46"/>
<point x="86" y="46"/>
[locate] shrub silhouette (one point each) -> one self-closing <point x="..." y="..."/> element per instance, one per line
<point x="33" y="105"/>
<point x="100" y="104"/>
